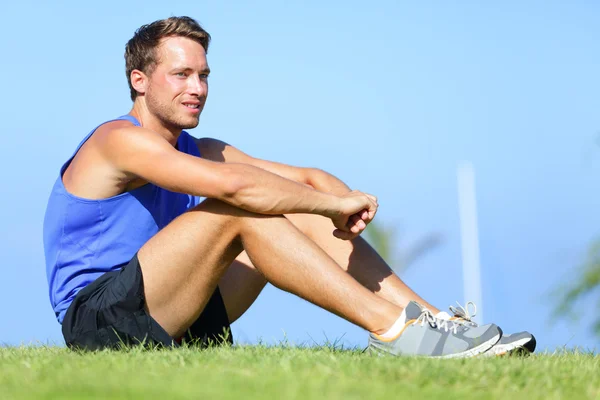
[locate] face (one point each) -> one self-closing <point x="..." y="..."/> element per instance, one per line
<point x="177" y="88"/>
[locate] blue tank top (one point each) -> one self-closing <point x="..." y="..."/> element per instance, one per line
<point x="84" y="238"/>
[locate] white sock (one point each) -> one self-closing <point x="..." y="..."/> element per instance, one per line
<point x="396" y="327"/>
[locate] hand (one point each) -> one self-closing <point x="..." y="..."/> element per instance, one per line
<point x="356" y="211"/>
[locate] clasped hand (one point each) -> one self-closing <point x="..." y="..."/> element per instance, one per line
<point x="357" y="210"/>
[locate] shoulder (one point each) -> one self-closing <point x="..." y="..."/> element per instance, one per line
<point x="102" y="136"/>
<point x="113" y="131"/>
<point x="108" y="127"/>
<point x="120" y="135"/>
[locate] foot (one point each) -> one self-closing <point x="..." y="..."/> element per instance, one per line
<point x="428" y="336"/>
<point x="521" y="343"/>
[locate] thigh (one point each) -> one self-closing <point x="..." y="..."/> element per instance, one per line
<point x="182" y="264"/>
<point x="242" y="283"/>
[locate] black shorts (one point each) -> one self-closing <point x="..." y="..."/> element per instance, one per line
<point x="109" y="312"/>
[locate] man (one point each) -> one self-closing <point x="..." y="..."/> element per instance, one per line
<point x="133" y="256"/>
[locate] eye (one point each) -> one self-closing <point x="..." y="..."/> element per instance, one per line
<point x="203" y="76"/>
<point x="180" y="74"/>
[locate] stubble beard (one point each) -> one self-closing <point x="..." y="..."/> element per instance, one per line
<point x="167" y="116"/>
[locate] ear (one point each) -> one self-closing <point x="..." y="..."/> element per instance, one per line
<point x="139" y="81"/>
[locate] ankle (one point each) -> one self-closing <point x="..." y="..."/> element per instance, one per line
<point x="382" y="317"/>
<point x="383" y="324"/>
<point x="393" y="327"/>
<point x="381" y="331"/>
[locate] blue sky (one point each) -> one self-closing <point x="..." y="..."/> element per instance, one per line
<point x="389" y="97"/>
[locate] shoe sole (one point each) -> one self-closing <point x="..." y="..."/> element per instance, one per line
<point x="475" y="351"/>
<point x="520" y="347"/>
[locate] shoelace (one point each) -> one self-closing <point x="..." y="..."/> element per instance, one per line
<point x="439" y="323"/>
<point x="463" y="312"/>
<point x="464" y="317"/>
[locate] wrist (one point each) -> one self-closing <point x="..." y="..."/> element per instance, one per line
<point x="330" y="206"/>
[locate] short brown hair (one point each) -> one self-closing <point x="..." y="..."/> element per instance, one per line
<point x="140" y="51"/>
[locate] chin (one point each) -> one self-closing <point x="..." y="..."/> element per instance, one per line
<point x="190" y="124"/>
<point x="184" y="122"/>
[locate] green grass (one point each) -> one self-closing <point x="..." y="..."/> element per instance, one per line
<point x="257" y="372"/>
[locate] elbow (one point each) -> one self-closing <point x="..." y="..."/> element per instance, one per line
<point x="233" y="188"/>
<point x="232" y="183"/>
<point x="311" y="176"/>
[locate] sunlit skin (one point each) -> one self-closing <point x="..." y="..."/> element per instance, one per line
<point x="219" y="242"/>
<point x="178" y="80"/>
<point x="181" y="77"/>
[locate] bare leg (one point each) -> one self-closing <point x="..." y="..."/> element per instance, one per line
<point x="360" y="260"/>
<point x="242" y="283"/>
<point x="240" y="286"/>
<point x="183" y="263"/>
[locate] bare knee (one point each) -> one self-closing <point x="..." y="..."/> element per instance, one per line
<point x="312" y="225"/>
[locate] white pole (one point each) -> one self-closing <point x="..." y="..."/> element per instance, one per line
<point x="469" y="236"/>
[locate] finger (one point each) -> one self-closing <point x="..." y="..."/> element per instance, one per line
<point x="372" y="204"/>
<point x="342" y="225"/>
<point x="357" y="220"/>
<point x="372" y="213"/>
<point x="357" y="224"/>
<point x="343" y="235"/>
<point x="364" y="215"/>
<point x="366" y="218"/>
<point x="373" y="200"/>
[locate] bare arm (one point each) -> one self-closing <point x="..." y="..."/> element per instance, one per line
<point x="325" y="182"/>
<point x="139" y="152"/>
<point x="320" y="180"/>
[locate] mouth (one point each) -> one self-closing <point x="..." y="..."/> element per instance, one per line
<point x="192" y="107"/>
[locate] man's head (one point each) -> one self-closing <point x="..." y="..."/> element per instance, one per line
<point x="167" y="69"/>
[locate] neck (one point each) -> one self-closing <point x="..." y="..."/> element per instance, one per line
<point x="149" y="121"/>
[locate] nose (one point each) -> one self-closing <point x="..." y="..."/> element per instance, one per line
<point x="197" y="85"/>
